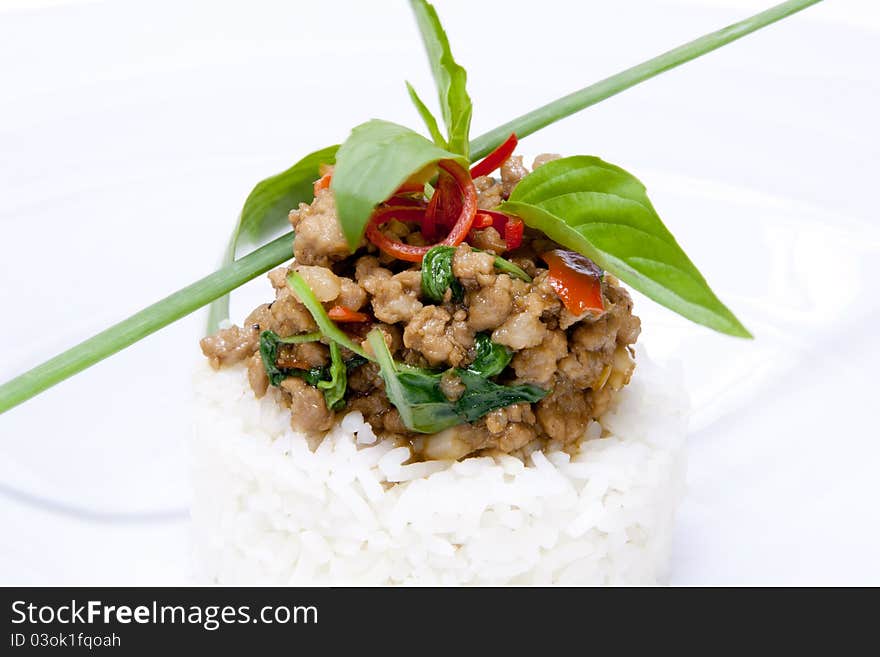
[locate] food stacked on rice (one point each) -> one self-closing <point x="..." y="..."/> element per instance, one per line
<point x="453" y="401"/>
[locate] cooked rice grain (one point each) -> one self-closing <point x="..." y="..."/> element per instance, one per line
<point x="267" y="510"/>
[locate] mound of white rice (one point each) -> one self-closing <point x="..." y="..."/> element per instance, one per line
<point x="267" y="510"/>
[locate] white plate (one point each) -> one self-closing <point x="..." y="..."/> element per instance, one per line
<point x="129" y="145"/>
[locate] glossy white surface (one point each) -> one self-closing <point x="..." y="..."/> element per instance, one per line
<point x="131" y="133"/>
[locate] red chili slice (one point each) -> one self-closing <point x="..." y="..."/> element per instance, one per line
<point x="457" y="233"/>
<point x="495" y="159"/>
<point x="346" y="314"/>
<point x="444" y="208"/>
<point x="576" y="279"/>
<point x="323" y="182"/>
<point x="510" y="228"/>
<point x="513" y="233"/>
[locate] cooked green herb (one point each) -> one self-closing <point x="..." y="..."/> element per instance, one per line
<point x="510" y="269"/>
<point x="269" y="341"/>
<point x="437" y="276"/>
<point x="418" y="397"/>
<point x="326" y="325"/>
<point x="334" y="388"/>
<point x="491" y="358"/>
<point x="332" y="379"/>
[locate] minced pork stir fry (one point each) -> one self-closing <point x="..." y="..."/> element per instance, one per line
<point x="503" y="342"/>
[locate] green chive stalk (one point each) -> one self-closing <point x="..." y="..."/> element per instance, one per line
<point x="147" y="321"/>
<point x="227" y="278"/>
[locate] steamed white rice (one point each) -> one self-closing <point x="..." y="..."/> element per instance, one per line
<point x="267" y="510"/>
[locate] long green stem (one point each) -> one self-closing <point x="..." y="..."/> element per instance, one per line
<point x="232" y="275"/>
<point x="145" y="322"/>
<point x="575" y="102"/>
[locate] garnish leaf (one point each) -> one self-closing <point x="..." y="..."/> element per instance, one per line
<point x="375" y="160"/>
<point x="418" y="397"/>
<point x="603" y="212"/>
<point x="265" y="211"/>
<point x="437" y="276"/>
<point x="491" y="358"/>
<point x="451" y="79"/>
<point x="427" y="117"/>
<point x="326" y="325"/>
<point x="200" y="293"/>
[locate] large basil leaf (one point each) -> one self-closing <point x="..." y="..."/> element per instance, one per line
<point x="266" y="209"/>
<point x="374" y="161"/>
<point x="451" y="79"/>
<point x="603" y="212"/>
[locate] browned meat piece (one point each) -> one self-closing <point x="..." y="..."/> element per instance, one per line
<point x="512" y="171"/>
<point x="323" y="282"/>
<point x="394" y="296"/>
<point x="488" y="192"/>
<point x="302" y="356"/>
<point x="543" y="158"/>
<point x="488" y="239"/>
<point x="319" y="239"/>
<point x="489" y="306"/>
<point x="257" y="376"/>
<point x="439" y="336"/>
<point x="308" y="412"/>
<point x="351" y="295"/>
<point x="564" y="414"/>
<point x="229" y="346"/>
<point x="365" y="378"/>
<point x="538" y="364"/>
<point x="473" y="268"/>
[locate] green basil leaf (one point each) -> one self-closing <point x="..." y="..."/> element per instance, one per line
<point x="266" y="209"/>
<point x="491" y="358"/>
<point x="334" y="389"/>
<point x="269" y="341"/>
<point x="437" y="276"/>
<point x="483" y="396"/>
<point x="418" y="397"/>
<point x="326" y="325"/>
<point x="451" y="79"/>
<point x="603" y="212"/>
<point x="374" y="161"/>
<point x="509" y="268"/>
<point x="427" y="117"/>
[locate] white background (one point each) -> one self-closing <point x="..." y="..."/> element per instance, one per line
<point x="131" y="132"/>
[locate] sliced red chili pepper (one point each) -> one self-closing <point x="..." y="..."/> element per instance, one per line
<point x="346" y="314"/>
<point x="576" y="279"/>
<point x="510" y="228"/>
<point x="494" y="159"/>
<point x="444" y="207"/>
<point x="457" y="233"/>
<point x="323" y="182"/>
<point x="513" y="233"/>
<point x="482" y="220"/>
